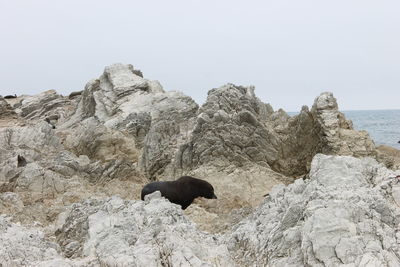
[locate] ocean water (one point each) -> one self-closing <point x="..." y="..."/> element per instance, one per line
<point x="382" y="125"/>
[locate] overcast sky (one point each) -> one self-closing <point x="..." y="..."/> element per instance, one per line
<point x="290" y="50"/>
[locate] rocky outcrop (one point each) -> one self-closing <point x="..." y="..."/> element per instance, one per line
<point x="47" y="105"/>
<point x="157" y="121"/>
<point x="235" y="127"/>
<point x="346" y="213"/>
<point x="23" y="246"/>
<point x="93" y="139"/>
<point x="240" y="145"/>
<point x="389" y="155"/>
<point x="136" y="233"/>
<point x="6" y="111"/>
<point x="232" y="129"/>
<point x="52" y="176"/>
<point x="336" y="134"/>
<point x="71" y="169"/>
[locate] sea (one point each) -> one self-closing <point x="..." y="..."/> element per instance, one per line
<point x="382" y="125"/>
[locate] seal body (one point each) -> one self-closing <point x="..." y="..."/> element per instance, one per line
<point x="10" y="96"/>
<point x="182" y="191"/>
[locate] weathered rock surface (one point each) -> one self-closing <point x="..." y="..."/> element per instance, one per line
<point x="240" y="145"/>
<point x="389" y="155"/>
<point x="157" y="121"/>
<point x="22" y="246"/>
<point x="6" y="111"/>
<point x="346" y="213"/>
<point x="75" y="166"/>
<point x="47" y="105"/>
<point x="336" y="133"/>
<point x="136" y="233"/>
<point x="53" y="176"/>
<point x="235" y="127"/>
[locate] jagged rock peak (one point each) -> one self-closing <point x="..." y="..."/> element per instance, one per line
<point x="123" y="78"/>
<point x="325" y="101"/>
<point x="336" y="134"/>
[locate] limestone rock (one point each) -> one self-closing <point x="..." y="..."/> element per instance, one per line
<point x="137" y="233"/>
<point x="23" y="247"/>
<point x="389" y="155"/>
<point x="336" y="133"/>
<point x="87" y="156"/>
<point x="344" y="214"/>
<point x="230" y="130"/>
<point x="6" y="111"/>
<point x="97" y="141"/>
<point x="49" y="104"/>
<point x="104" y="97"/>
<point x="157" y="121"/>
<point x="53" y="176"/>
<point x="235" y="127"/>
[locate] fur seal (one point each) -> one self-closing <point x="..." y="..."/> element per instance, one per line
<point x="182" y="191"/>
<point x="10" y="96"/>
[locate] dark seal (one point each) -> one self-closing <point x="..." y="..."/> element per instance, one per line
<point x="182" y="191"/>
<point x="10" y="96"/>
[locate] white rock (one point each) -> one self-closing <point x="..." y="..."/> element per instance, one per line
<point x="137" y="233"/>
<point x="339" y="216"/>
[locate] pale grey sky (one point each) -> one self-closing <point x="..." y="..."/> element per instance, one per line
<point x="290" y="50"/>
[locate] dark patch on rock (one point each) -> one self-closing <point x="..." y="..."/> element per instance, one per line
<point x="21" y="161"/>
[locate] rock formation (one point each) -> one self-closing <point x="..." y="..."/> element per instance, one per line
<point x="72" y="167"/>
<point x="347" y="213"/>
<point x="6" y="111"/>
<point x="136" y="233"/>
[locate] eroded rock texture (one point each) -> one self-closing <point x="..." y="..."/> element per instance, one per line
<point x="346" y="213"/>
<point x="157" y="121"/>
<point x="6" y="111"/>
<point x="71" y="171"/>
<point x="235" y="127"/>
<point x="136" y="233"/>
